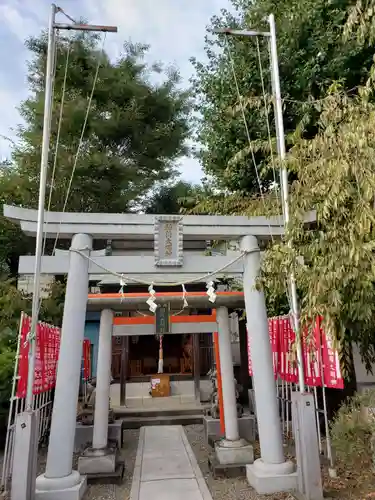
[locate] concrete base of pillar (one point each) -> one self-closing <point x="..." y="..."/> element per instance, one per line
<point x="71" y="487"/>
<point x="234" y="452"/>
<point x="267" y="479"/>
<point x="101" y="461"/>
<point x="246" y="428"/>
<point x="84" y="433"/>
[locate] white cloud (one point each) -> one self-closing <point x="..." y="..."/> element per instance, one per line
<point x="9" y="118"/>
<point x="174" y="29"/>
<point x="190" y="170"/>
<point x="23" y="17"/>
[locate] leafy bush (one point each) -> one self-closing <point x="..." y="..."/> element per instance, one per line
<point x="353" y="432"/>
<point x="7" y="359"/>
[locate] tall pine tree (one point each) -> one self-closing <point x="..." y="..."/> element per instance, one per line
<point x="135" y="129"/>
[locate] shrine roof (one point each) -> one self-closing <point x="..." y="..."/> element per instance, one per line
<point x="142" y="226"/>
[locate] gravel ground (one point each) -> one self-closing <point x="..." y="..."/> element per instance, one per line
<point x="344" y="487"/>
<point x="122" y="491"/>
<point x="223" y="488"/>
<point x="109" y="491"/>
<point x="105" y="491"/>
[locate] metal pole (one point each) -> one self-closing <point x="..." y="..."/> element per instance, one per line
<point x="43" y="180"/>
<point x="42" y="193"/>
<point x="285" y="192"/>
<point x="276" y="127"/>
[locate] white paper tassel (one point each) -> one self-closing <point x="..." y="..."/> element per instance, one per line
<point x="211" y="292"/>
<point x="151" y="300"/>
<point x="184" y="300"/>
<point x="151" y="304"/>
<point x="122" y="285"/>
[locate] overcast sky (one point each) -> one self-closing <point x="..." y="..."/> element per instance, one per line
<point x="175" y="30"/>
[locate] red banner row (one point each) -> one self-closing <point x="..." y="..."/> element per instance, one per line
<point x="320" y="358"/>
<point x="46" y="356"/>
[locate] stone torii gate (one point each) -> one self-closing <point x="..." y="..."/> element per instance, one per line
<point x="168" y="237"/>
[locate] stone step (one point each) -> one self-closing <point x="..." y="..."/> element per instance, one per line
<point x="145" y="421"/>
<point x="122" y="412"/>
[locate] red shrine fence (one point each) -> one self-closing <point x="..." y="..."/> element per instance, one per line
<point x="46" y="360"/>
<point x="321" y="369"/>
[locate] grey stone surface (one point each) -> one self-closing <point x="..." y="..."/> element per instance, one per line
<point x="135" y="226"/>
<point x="73" y="493"/>
<point x="103" y="380"/>
<point x="246" y="427"/>
<point x="178" y="489"/>
<point x="267" y="484"/>
<point x="307" y="446"/>
<point x="25" y="452"/>
<point x="170" y="466"/>
<point x="91" y="464"/>
<point x="252" y="404"/>
<point x="162" y="439"/>
<point x="234" y="455"/>
<point x="63" y="422"/>
<point x="268" y="418"/>
<point x="84" y="433"/>
<point x="166" y="468"/>
<point x="164" y="456"/>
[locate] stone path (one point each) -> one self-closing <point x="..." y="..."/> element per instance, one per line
<point x="166" y="467"/>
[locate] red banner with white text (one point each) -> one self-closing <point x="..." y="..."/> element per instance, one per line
<point x="331" y="364"/>
<point x="46" y="356"/>
<point x="320" y="357"/>
<point x="23" y="361"/>
<point x="86" y="359"/>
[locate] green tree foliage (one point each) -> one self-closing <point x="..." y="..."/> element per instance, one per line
<point x="353" y="438"/>
<point x="333" y="260"/>
<point x="52" y="306"/>
<point x="360" y="23"/>
<point x="135" y="130"/>
<point x="312" y="54"/>
<point x="171" y="199"/>
<point x="324" y="49"/>
<point x="12" y="303"/>
<point x="12" y="241"/>
<point x="335" y="175"/>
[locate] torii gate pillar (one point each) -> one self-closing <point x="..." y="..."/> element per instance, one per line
<point x="271" y="473"/>
<point x="60" y="481"/>
<point x="232" y="449"/>
<point x="101" y="458"/>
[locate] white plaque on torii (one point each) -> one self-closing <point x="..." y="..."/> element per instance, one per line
<point x="168" y="241"/>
